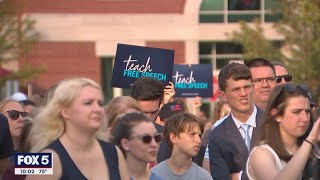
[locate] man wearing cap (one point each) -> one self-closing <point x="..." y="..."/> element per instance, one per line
<point x="168" y="110"/>
<point x="19" y="96"/>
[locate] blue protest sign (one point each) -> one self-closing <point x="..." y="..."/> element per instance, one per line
<point x="192" y="80"/>
<point x="133" y="62"/>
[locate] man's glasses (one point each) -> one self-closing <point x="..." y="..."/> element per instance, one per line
<point x="287" y="78"/>
<point x="260" y="80"/>
<point x="14" y="114"/>
<point x="147" y="138"/>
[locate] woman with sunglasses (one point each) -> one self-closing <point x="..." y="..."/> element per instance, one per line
<point x="138" y="139"/>
<point x="24" y="147"/>
<point x="287" y="139"/>
<point x="14" y="112"/>
<point x="70" y="127"/>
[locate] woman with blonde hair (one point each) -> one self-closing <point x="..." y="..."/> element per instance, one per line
<point x="69" y="127"/>
<point x="119" y="105"/>
<point x="15" y="113"/>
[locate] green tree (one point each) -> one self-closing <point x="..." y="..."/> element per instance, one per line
<point x="300" y="27"/>
<point x="17" y="35"/>
<point x="254" y="43"/>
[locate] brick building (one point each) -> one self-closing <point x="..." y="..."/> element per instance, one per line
<point x="79" y="37"/>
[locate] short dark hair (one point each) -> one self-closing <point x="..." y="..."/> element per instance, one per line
<point x="179" y="123"/>
<point x="260" y="62"/>
<point x="235" y="71"/>
<point x="122" y="127"/>
<point x="146" y="89"/>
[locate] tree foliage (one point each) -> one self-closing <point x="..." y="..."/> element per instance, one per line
<point x="254" y="42"/>
<point x="17" y="35"/>
<point x="300" y="27"/>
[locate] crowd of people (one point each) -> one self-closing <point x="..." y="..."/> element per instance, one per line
<point x="263" y="127"/>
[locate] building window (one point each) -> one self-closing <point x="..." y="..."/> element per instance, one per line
<point x="269" y="5"/>
<point x="219" y="53"/>
<point x="228" y="11"/>
<point x="212" y="11"/>
<point x="243" y="4"/>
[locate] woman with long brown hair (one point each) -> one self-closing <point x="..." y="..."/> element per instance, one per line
<point x="286" y="144"/>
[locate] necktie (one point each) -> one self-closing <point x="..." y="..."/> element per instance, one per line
<point x="245" y="128"/>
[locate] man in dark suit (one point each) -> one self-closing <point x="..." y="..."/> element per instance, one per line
<point x="231" y="141"/>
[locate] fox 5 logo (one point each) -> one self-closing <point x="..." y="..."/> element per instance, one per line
<point x="33" y="160"/>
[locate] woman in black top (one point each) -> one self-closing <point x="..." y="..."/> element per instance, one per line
<point x="69" y="128"/>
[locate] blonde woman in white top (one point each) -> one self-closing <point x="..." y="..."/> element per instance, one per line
<point x="287" y="140"/>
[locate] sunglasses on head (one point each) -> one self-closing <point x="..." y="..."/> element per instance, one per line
<point x="293" y="88"/>
<point x="14" y="114"/>
<point x="147" y="138"/>
<point x="287" y="78"/>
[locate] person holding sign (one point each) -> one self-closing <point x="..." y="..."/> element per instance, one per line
<point x="151" y="95"/>
<point x="70" y="127"/>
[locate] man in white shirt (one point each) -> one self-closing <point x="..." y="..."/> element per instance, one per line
<point x="230" y="142"/>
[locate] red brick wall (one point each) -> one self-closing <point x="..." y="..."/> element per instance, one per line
<point x="64" y="60"/>
<point x="178" y="46"/>
<point x="105" y="6"/>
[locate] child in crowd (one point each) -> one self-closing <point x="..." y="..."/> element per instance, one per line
<point x="183" y="134"/>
